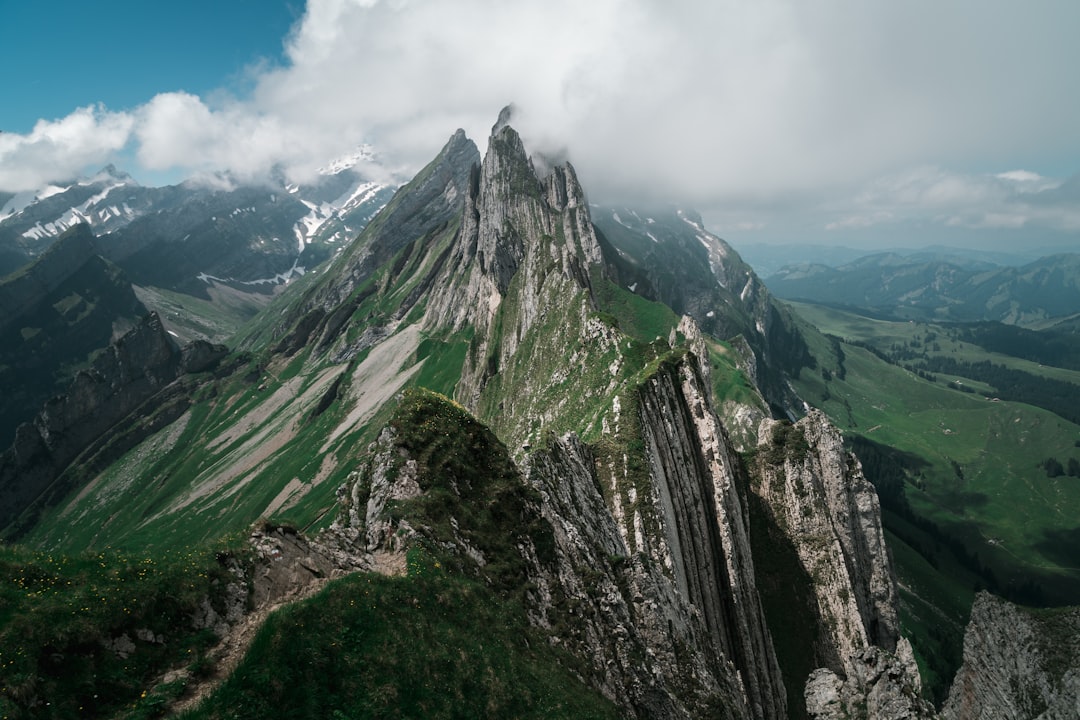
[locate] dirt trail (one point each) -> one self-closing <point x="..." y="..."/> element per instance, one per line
<point x="289" y="569"/>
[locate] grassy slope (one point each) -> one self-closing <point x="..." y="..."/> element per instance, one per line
<point x="450" y="639"/>
<point x="884" y="333"/>
<point x="983" y="481"/>
<point x="430" y="645"/>
<point x="146" y="500"/>
<point x="57" y="612"/>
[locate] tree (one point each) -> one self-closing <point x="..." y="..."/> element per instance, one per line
<point x="1053" y="467"/>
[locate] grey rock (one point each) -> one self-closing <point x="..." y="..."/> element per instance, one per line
<point x="1018" y="663"/>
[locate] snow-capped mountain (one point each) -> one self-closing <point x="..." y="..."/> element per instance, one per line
<point x="259" y="231"/>
<point x="30" y="221"/>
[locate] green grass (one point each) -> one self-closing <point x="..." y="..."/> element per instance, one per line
<point x="472" y="490"/>
<point x="983" y="481"/>
<point x="217" y="318"/>
<point x="934" y="606"/>
<point x="430" y="645"/>
<point x="58" y="612"/>
<point x="729" y="382"/>
<point x="885" y="334"/>
<point x="134" y="503"/>
<point x="451" y="638"/>
<point x="443" y="360"/>
<point x="639" y="318"/>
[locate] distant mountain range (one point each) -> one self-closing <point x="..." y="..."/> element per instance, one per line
<point x="768" y="259"/>
<point x="928" y="287"/>
<point x="197" y="233"/>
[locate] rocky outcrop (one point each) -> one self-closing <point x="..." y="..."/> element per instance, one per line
<point x="668" y="622"/>
<point x="666" y="254"/>
<point x="815" y="493"/>
<point x="702" y="536"/>
<point x="521" y="236"/>
<point x="200" y="356"/>
<point x="433" y="199"/>
<point x="651" y="646"/>
<point x="55" y="315"/>
<point x="1018" y="663"/>
<point x="879" y="686"/>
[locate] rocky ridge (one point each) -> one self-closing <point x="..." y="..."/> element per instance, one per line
<point x="522" y="237"/>
<point x="816" y="493"/>
<point x="129" y="376"/>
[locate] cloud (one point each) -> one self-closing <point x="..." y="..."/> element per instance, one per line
<point x="766" y="106"/>
<point x="1012" y="199"/>
<point x="58" y="150"/>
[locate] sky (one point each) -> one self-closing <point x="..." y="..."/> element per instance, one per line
<point x="858" y="123"/>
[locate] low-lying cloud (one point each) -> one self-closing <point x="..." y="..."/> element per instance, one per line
<point x="748" y="108"/>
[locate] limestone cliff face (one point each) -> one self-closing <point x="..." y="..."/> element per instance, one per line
<point x="703" y="539"/>
<point x="432" y="198"/>
<point x="1018" y="663"/>
<point x="667" y="254"/>
<point x="648" y="579"/>
<point x="522" y="237"/>
<point x="429" y="205"/>
<point x="816" y="494"/>
<point x="650" y="644"/>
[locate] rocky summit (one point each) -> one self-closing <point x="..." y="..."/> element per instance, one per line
<point x="485" y="427"/>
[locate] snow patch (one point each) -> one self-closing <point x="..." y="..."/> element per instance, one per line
<point x="688" y="221"/>
<point x="281" y="278"/>
<point x="364" y="153"/>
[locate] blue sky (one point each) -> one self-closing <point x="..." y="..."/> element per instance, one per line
<point x="64" y="54"/>
<point x="850" y="123"/>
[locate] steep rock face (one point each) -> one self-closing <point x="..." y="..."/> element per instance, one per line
<point x="879" y="686"/>
<point x="666" y="254"/>
<point x="816" y="494"/>
<point x="132" y="370"/>
<point x="831" y="511"/>
<point x="427" y="207"/>
<point x="625" y="606"/>
<point x="432" y="198"/>
<point x="669" y="622"/>
<point x="703" y="539"/>
<point x="54" y="315"/>
<point x="520" y="275"/>
<point x="1018" y="663"/>
<point x="522" y="237"/>
<point x="23" y="290"/>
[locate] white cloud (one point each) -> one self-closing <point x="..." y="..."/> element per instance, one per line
<point x="1012" y="199"/>
<point x="771" y="105"/>
<point x="57" y="150"/>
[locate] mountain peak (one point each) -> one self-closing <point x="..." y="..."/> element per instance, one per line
<point x="505" y="115"/>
